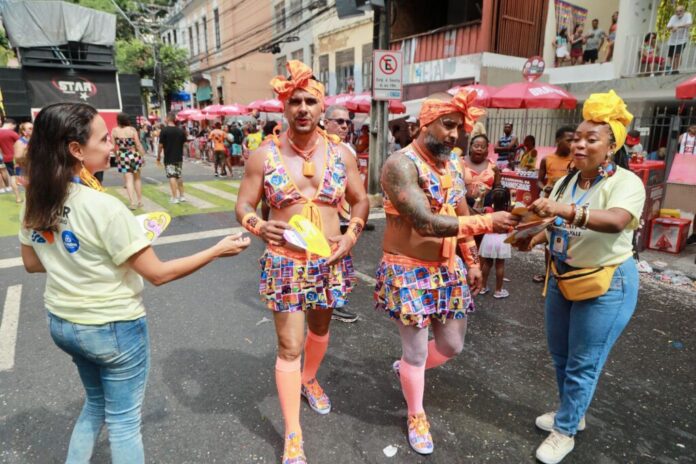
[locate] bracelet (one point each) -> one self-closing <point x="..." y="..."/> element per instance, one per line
<point x="252" y="223"/>
<point x="577" y="220"/>
<point x="586" y="219"/>
<point x="575" y="212"/>
<point x="355" y="228"/>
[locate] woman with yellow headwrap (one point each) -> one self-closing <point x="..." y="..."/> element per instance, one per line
<point x="592" y="285"/>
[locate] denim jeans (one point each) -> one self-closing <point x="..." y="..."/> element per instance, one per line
<point x="113" y="361"/>
<point x="580" y="335"/>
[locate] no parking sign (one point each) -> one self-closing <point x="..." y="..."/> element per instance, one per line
<point x="387" y="70"/>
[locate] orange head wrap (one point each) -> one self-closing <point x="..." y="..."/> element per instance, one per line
<point x="461" y="103"/>
<point x="300" y="78"/>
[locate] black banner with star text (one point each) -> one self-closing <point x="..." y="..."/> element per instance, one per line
<point x="46" y="86"/>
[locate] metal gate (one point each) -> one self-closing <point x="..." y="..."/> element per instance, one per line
<point x="519" y="27"/>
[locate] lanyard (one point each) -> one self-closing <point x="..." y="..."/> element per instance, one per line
<point x="575" y="187"/>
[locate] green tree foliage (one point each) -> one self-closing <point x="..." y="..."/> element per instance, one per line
<point x="666" y="10"/>
<point x="136" y="57"/>
<point x="6" y="52"/>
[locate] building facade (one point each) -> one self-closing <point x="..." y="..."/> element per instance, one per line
<point x="222" y="40"/>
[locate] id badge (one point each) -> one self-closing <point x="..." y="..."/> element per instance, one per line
<point x="559" y="243"/>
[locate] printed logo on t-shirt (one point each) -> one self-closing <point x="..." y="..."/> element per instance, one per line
<point x="42" y="237"/>
<point x="70" y="241"/>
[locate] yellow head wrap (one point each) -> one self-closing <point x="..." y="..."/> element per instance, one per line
<point x="608" y="108"/>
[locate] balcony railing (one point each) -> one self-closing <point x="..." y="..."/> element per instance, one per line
<point x="446" y="42"/>
<point x="652" y="58"/>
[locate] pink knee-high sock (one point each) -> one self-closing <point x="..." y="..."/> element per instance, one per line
<point x="314" y="351"/>
<point x="435" y="358"/>
<point x="412" y="385"/>
<point x="288" y="383"/>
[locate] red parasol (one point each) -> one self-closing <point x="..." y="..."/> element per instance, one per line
<point x="362" y="103"/>
<point x="340" y="99"/>
<point x="212" y="110"/>
<point x="687" y="89"/>
<point x="268" y="106"/>
<point x="234" y="109"/>
<point x="483" y="92"/>
<point x="533" y="95"/>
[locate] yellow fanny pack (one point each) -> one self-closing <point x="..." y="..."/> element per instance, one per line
<point x="582" y="284"/>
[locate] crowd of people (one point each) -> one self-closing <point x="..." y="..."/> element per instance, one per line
<point x="96" y="256"/>
<point x="583" y="45"/>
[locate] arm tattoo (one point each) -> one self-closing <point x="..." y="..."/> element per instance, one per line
<point x="400" y="183"/>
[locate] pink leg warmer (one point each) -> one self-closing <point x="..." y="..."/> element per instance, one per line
<point x="314" y="351"/>
<point x="412" y="385"/>
<point x="435" y="358"/>
<point x="288" y="384"/>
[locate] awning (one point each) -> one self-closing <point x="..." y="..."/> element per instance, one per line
<point x="180" y="96"/>
<point x="204" y="93"/>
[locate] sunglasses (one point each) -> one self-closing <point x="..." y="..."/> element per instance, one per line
<point x="340" y="121"/>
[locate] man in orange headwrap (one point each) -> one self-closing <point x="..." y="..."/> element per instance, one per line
<point x="306" y="172"/>
<point x="421" y="281"/>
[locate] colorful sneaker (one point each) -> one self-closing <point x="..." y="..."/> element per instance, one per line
<point x="396" y="367"/>
<point x="294" y="452"/>
<point x="419" y="434"/>
<point x="316" y="397"/>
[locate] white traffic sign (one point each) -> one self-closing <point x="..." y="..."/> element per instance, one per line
<point x="387" y="70"/>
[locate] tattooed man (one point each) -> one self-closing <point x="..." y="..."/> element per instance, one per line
<point x="421" y="281"/>
<point x="308" y="172"/>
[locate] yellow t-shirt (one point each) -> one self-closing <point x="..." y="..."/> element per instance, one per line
<point x="588" y="248"/>
<point x="528" y="160"/>
<point x="254" y="139"/>
<point x="87" y="280"/>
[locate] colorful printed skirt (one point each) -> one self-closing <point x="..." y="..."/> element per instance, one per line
<point x="129" y="161"/>
<point x="415" y="291"/>
<point x="290" y="282"/>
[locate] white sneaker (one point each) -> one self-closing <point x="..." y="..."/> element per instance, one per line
<point x="6" y="190"/>
<point x="182" y="199"/>
<point x="173" y="201"/>
<point x="555" y="448"/>
<point x="545" y="422"/>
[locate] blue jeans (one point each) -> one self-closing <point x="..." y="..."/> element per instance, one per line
<point x="580" y="335"/>
<point x="113" y="361"/>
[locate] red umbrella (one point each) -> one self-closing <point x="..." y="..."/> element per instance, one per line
<point x="483" y="92"/>
<point x="362" y="103"/>
<point x="212" y="110"/>
<point x="233" y="110"/>
<point x="269" y="106"/>
<point x="188" y="111"/>
<point x="687" y="89"/>
<point x="340" y="99"/>
<point x="533" y="95"/>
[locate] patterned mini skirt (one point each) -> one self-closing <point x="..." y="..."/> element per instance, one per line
<point x="129" y="161"/>
<point x="415" y="291"/>
<point x="291" y="282"/>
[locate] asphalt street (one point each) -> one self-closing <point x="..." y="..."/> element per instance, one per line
<point x="211" y="395"/>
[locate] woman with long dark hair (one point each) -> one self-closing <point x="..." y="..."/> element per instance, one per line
<point x="94" y="253"/>
<point x="593" y="280"/>
<point x="130" y="157"/>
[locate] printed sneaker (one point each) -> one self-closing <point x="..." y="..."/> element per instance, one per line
<point x="316" y="397"/>
<point x="396" y="367"/>
<point x="294" y="452"/>
<point x="545" y="422"/>
<point x="419" y="434"/>
<point x="555" y="448"/>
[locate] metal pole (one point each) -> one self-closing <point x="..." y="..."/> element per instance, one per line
<point x="379" y="109"/>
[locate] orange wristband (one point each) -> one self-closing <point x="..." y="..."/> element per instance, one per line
<point x="355" y="228"/>
<point x="252" y="222"/>
<point x="474" y="225"/>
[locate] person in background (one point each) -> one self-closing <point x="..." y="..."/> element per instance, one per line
<point x="171" y="142"/>
<point x="560" y="45"/>
<point x="505" y="146"/>
<point x="480" y="173"/>
<point x="217" y="136"/>
<point x="362" y="145"/>
<point x="337" y="123"/>
<point x="593" y="42"/>
<point x="95" y="254"/>
<point x="633" y="146"/>
<point x="493" y="248"/>
<point x="611" y="38"/>
<point x="20" y="150"/>
<point x="237" y="139"/>
<point x="8" y="138"/>
<point x="529" y="158"/>
<point x="679" y="26"/>
<point x="687" y="141"/>
<point x="649" y="54"/>
<point x="576" y="42"/>
<point x="413" y="128"/>
<point x="598" y="207"/>
<point x="252" y="140"/>
<point x="130" y="157"/>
